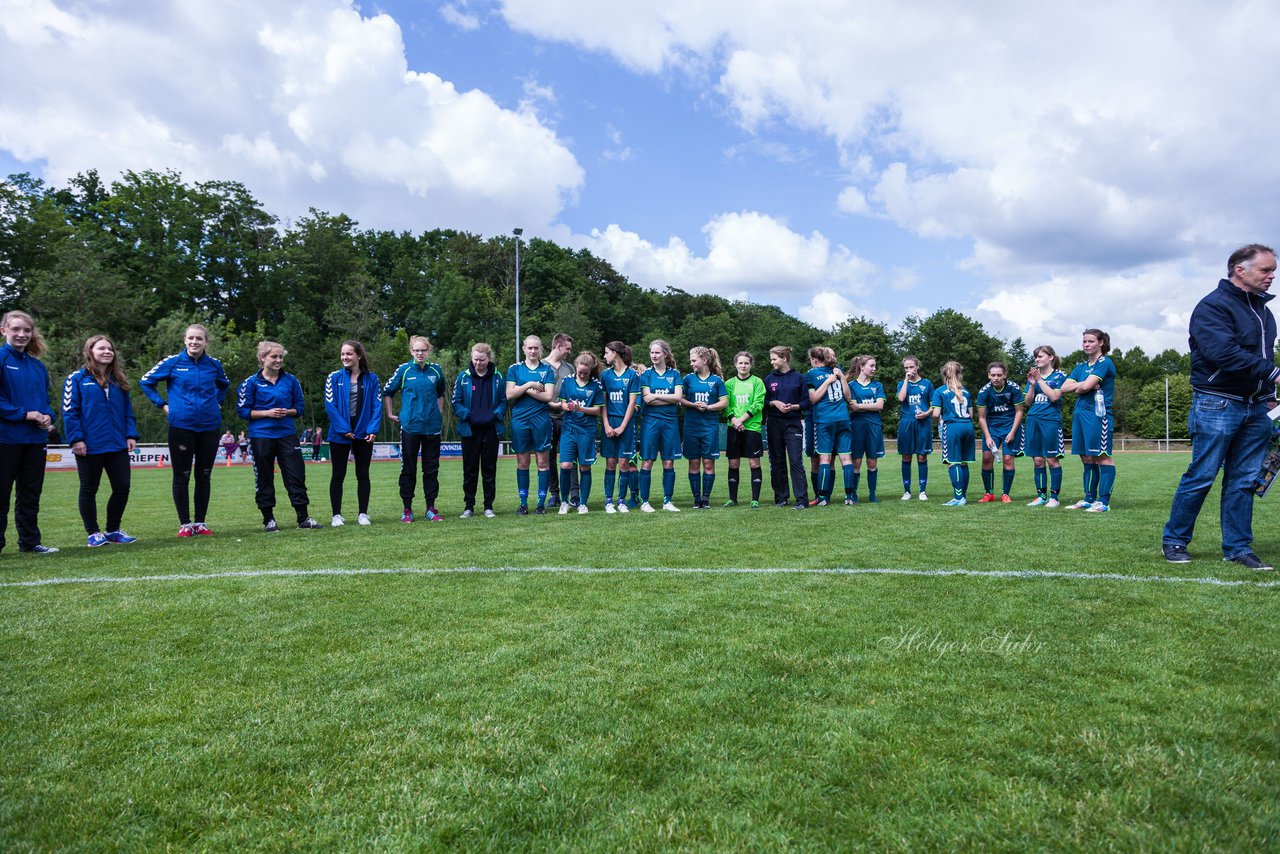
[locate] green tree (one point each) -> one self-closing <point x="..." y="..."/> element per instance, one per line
<point x="949" y="335"/>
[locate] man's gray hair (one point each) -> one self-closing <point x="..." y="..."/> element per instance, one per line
<point x="1245" y="255"/>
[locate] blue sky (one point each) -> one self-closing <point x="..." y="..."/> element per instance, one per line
<point x="1043" y="170"/>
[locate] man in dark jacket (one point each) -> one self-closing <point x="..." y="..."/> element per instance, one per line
<point x="1233" y="379"/>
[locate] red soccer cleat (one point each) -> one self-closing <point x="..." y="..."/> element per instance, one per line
<point x="987" y="499"/>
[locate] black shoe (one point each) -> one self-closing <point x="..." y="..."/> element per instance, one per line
<point x="800" y="505"/>
<point x="782" y="503"/>
<point x="1249" y="560"/>
<point x="553" y="501"/>
<point x="309" y="524"/>
<point x="271" y="527"/>
<point x="540" y="510"/>
<point x="522" y="510"/>
<point x="1175" y="553"/>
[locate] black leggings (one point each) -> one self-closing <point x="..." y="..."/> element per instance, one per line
<point x="185" y="448"/>
<point x="90" y="468"/>
<point x="363" y="452"/>
<point x="22" y="471"/>
<point x="413" y="446"/>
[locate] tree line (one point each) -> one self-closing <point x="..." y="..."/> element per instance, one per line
<point x="142" y="257"/>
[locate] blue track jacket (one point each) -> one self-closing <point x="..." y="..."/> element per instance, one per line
<point x="463" y="387"/>
<point x="337" y="406"/>
<point x="420" y="389"/>
<point x="24" y="387"/>
<point x="257" y="393"/>
<point x="101" y="417"/>
<point x="196" y="390"/>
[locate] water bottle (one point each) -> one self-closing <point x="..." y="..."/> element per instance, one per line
<point x="1099" y="403"/>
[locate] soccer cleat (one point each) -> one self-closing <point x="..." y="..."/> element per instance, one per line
<point x="553" y="500"/>
<point x="873" y="500"/>
<point x="1052" y="503"/>
<point x="669" y="507"/>
<point x="1005" y="499"/>
<point x="540" y="510"/>
<point x="923" y="497"/>
<point x="363" y="519"/>
<point x="201" y="529"/>
<point x="338" y="521"/>
<point x="782" y="503"/>
<point x="1079" y="505"/>
<point x="1098" y="507"/>
<point x="622" y="507"/>
<point x="609" y="508"/>
<point x="849" y="502"/>
<point x="1039" y="502"/>
<point x="271" y="527"/>
<point x="822" y="502"/>
<point x="564" y="508"/>
<point x="121" y="537"/>
<point x="1175" y="553"/>
<point x="50" y="550"/>
<point x="906" y="496"/>
<point x="308" y="524"/>
<point x="97" y="538"/>
<point x="467" y="514"/>
<point x="488" y="513"/>
<point x="987" y="498"/>
<point x="755" y="505"/>
<point x="1248" y="560"/>
<point x="730" y="503"/>
<point x="646" y="507"/>
<point x="407" y="515"/>
<point x="186" y="530"/>
<point x="433" y="515"/>
<point x="851" y="499"/>
<point x="814" y="502"/>
<point x="522" y="510"/>
<point x="800" y="505"/>
<point x="582" y="509"/>
<point x="955" y="502"/>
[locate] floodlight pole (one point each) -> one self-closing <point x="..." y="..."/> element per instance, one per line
<point x="519" y="350"/>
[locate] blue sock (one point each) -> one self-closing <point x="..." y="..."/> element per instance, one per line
<point x="566" y="482"/>
<point x="609" y="478"/>
<point x="626" y="485"/>
<point x="871" y="484"/>
<point x="584" y="486"/>
<point x="695" y="485"/>
<point x="955" y="472"/>
<point x="815" y="480"/>
<point x="544" y="478"/>
<point x="1008" y="480"/>
<point x="1106" y="480"/>
<point x="924" y="475"/>
<point x="1055" y="481"/>
<point x="668" y="484"/>
<point x="646" y="482"/>
<point x="849" y="483"/>
<point x="988" y="480"/>
<point x="906" y="476"/>
<point x="1042" y="480"/>
<point x="857" y="476"/>
<point x="964" y="479"/>
<point x="1091" y="475"/>
<point x="825" y="476"/>
<point x="522" y="485"/>
<point x="708" y="481"/>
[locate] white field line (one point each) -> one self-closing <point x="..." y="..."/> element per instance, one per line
<point x="1025" y="574"/>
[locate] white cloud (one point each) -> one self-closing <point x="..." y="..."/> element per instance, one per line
<point x="749" y="255"/>
<point x="460" y="18"/>
<point x="308" y="104"/>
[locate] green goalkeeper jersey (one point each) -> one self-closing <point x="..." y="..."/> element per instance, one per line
<point x="746" y="396"/>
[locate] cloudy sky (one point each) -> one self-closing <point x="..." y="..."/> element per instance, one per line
<point x="1041" y="168"/>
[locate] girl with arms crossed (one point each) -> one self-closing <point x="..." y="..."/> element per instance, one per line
<point x="829" y="396"/>
<point x="1044" y="444"/>
<point x="915" y="429"/>
<point x="270" y="400"/>
<point x="1092" y="423"/>
<point x="867" y="402"/>
<point x="197" y="385"/>
<point x="662" y="389"/>
<point x="1000" y="417"/>
<point x="581" y="400"/>
<point x="953" y="407"/>
<point x="622" y="392"/>
<point x="746" y="418"/>
<point x="705" y="397"/>
<point x="352" y="405"/>
<point x="98" y="416"/>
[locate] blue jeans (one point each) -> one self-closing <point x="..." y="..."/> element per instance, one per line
<point x="1228" y="435"/>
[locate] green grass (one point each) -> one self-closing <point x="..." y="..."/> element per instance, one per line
<point x="642" y="710"/>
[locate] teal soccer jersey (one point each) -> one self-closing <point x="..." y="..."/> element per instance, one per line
<point x="869" y="393"/>
<point x="526" y="408"/>
<point x="589" y="394"/>
<point x="919" y="398"/>
<point x="832" y="408"/>
<point x="955" y="409"/>
<point x="1105" y="370"/>
<point x="1040" y="405"/>
<point x="660" y="383"/>
<point x="619" y="389"/>
<point x="1001" y="404"/>
<point x="709" y="391"/>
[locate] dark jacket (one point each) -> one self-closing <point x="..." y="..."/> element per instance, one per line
<point x="463" y="389"/>
<point x="337" y="405"/>
<point x="256" y="392"/>
<point x="100" y="417"/>
<point x="24" y="387"/>
<point x="787" y="388"/>
<point x="1233" y="337"/>
<point x="196" y="390"/>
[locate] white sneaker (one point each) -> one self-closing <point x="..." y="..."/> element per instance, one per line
<point x="1039" y="502"/>
<point x="647" y="508"/>
<point x="363" y="519"/>
<point x="582" y="509"/>
<point x="906" y="496"/>
<point x="1053" y="502"/>
<point x="669" y="507"/>
<point x="564" y="508"/>
<point x="623" y="508"/>
<point x="924" y="497"/>
<point x="609" y="508"/>
<point x="1079" y="505"/>
<point x="489" y="514"/>
<point x="338" y="521"/>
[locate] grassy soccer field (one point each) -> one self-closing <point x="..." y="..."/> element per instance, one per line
<point x="426" y="707"/>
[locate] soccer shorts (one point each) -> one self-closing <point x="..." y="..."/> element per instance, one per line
<point x="915" y="436"/>
<point x="868" y="438"/>
<point x="1091" y="435"/>
<point x="744" y="443"/>
<point x="1008" y="449"/>
<point x="1043" y="438"/>
<point x="660" y="438"/>
<point x="702" y="444"/>
<point x="579" y="448"/>
<point x="833" y="438"/>
<point x="532" y="435"/>
<point x="957" y="441"/>
<point x="619" y="447"/>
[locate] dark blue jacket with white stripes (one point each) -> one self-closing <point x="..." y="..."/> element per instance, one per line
<point x="1233" y="336"/>
<point x="100" y="416"/>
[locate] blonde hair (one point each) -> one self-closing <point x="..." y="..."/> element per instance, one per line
<point x="265" y="347"/>
<point x="781" y="351"/>
<point x="586" y="357"/>
<point x="710" y="356"/>
<point x="414" y="339"/>
<point x="953" y="378"/>
<point x="111" y="374"/>
<point x="481" y="347"/>
<point x="668" y="358"/>
<point x="825" y="355"/>
<point x="36" y="346"/>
